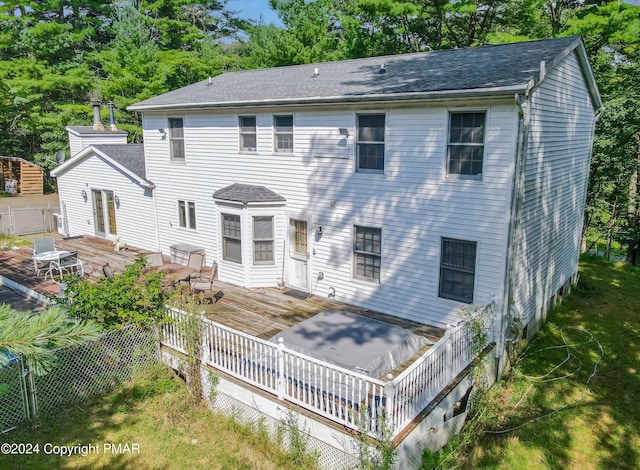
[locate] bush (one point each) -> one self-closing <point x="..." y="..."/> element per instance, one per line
<point x="131" y="297"/>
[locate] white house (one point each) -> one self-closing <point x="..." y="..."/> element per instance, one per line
<point x="410" y="184"/>
<point x="103" y="188"/>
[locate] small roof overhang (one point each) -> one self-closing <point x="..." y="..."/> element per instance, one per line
<point x="247" y="194"/>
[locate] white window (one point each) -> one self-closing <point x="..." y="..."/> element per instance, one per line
<point x="263" y="240"/>
<point x="187" y="214"/>
<point x="367" y="250"/>
<point x="465" y="150"/>
<point x="283" y="133"/>
<point x="231" y="238"/>
<point x="176" y="139"/>
<point x="248" y="134"/>
<point x="457" y="269"/>
<point x="370" y="143"/>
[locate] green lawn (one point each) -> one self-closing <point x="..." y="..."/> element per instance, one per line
<point x="597" y="429"/>
<point x="154" y="414"/>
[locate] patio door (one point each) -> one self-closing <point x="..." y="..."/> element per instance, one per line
<point x="298" y="259"/>
<point x="104" y="213"/>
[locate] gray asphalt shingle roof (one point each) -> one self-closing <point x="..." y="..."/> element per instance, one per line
<point x="247" y="193"/>
<point x="130" y="156"/>
<point x="506" y="67"/>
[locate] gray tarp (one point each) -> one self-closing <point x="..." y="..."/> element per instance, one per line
<point x="352" y="341"/>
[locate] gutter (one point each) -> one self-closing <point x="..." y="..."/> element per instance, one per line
<point x="340" y="99"/>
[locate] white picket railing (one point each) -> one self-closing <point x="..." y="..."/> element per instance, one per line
<point x="423" y="380"/>
<point x="346" y="397"/>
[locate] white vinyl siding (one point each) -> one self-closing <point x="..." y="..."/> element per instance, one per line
<point x="410" y="203"/>
<point x="555" y="181"/>
<point x="80" y="142"/>
<point x="134" y="215"/>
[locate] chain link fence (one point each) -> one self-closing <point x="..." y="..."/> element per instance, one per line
<point x="79" y="373"/>
<point x="28" y="220"/>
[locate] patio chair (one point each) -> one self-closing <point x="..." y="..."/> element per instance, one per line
<point x="69" y="263"/>
<point x="204" y="284"/>
<point x="42" y="245"/>
<point x="196" y="261"/>
<point x="154" y="259"/>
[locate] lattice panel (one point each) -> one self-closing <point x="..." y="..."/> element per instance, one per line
<point x="13" y="401"/>
<point x="329" y="456"/>
<point x="94" y="368"/>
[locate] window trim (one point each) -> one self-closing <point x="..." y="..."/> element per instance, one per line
<point x="224" y="237"/>
<point x="358" y="142"/>
<point x="255" y="240"/>
<point x="172" y="139"/>
<point x="241" y="134"/>
<point x="292" y="133"/>
<point x="185" y="212"/>
<point x="356" y="252"/>
<point x="441" y="268"/>
<point x="448" y="144"/>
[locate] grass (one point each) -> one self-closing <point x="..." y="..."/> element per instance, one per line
<point x="597" y="424"/>
<point x="156" y="413"/>
<point x="9" y="241"/>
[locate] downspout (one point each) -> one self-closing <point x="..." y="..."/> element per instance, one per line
<point x="155" y="216"/>
<point x="517" y="194"/>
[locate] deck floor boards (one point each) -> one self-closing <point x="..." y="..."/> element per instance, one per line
<point x="261" y="312"/>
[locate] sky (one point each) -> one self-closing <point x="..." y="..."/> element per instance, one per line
<point x="253" y="9"/>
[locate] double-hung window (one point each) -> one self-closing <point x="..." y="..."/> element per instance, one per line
<point x="370" y="143"/>
<point x="231" y="238"/>
<point x="283" y="133"/>
<point x="367" y="253"/>
<point x="187" y="214"/>
<point x="263" y="240"/>
<point x="465" y="150"/>
<point x="176" y="139"/>
<point x="457" y="269"/>
<point x="248" y="135"/>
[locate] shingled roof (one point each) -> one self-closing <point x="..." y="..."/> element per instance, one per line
<point x="247" y="193"/>
<point x="490" y="70"/>
<point x="130" y="156"/>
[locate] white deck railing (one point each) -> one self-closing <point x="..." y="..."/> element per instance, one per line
<point x="346" y="397"/>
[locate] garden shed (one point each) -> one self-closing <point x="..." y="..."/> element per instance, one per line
<point x="20" y="177"/>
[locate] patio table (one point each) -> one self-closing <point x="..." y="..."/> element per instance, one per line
<point x="47" y="256"/>
<point x="174" y="273"/>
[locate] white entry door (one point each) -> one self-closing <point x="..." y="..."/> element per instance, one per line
<point x="298" y="265"/>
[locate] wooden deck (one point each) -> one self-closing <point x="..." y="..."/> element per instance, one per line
<point x="261" y="312"/>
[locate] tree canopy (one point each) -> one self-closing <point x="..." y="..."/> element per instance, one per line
<point x="57" y="55"/>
